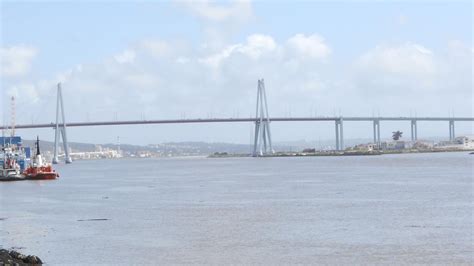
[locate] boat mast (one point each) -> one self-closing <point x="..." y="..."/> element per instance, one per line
<point x="37" y="146"/>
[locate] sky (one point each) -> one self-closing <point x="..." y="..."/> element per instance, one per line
<point x="121" y="60"/>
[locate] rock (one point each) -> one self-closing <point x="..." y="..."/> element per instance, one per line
<point x="13" y="257"/>
<point x="16" y="255"/>
<point x="33" y="259"/>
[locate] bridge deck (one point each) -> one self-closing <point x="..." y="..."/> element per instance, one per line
<point x="236" y="120"/>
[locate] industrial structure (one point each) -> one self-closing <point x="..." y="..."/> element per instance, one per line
<point x="262" y="138"/>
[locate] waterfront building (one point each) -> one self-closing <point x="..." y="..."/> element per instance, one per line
<point x="460" y="143"/>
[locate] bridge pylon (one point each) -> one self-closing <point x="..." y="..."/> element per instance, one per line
<point x="452" y="136"/>
<point x="263" y="138"/>
<point x="60" y="129"/>
<point x="339" y="134"/>
<point x="414" y="131"/>
<point x="377" y="133"/>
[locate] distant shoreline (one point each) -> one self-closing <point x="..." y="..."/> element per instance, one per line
<point x="338" y="153"/>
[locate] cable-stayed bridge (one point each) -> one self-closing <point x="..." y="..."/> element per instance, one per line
<point x="236" y="120"/>
<point x="262" y="139"/>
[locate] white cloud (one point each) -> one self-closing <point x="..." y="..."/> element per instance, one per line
<point x="215" y="59"/>
<point x="298" y="49"/>
<point x="408" y="59"/>
<point x="156" y="48"/>
<point x="255" y="46"/>
<point x="209" y="10"/>
<point x="312" y="46"/>
<point x="16" y="60"/>
<point x="166" y="80"/>
<point x="414" y="76"/>
<point x="141" y="80"/>
<point x="459" y="48"/>
<point x="127" y="56"/>
<point x="220" y="21"/>
<point x="27" y="90"/>
<point x="182" y="60"/>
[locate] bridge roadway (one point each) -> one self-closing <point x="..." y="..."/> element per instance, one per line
<point x="227" y="120"/>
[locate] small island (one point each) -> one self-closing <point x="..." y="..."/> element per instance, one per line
<point x="395" y="146"/>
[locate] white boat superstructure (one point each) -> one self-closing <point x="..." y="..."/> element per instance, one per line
<point x="10" y="169"/>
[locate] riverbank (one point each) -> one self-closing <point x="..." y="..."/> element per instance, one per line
<point x="298" y="154"/>
<point x="13" y="257"/>
<point x="338" y="153"/>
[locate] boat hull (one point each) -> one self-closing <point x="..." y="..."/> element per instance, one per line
<point x="11" y="175"/>
<point x="40" y="173"/>
<point x="12" y="178"/>
<point x="42" y="176"/>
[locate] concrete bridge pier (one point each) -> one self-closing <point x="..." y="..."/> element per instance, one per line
<point x="451" y="130"/>
<point x="414" y="131"/>
<point x="377" y="133"/>
<point x="339" y="134"/>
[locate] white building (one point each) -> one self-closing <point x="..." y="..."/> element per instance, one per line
<point x="461" y="143"/>
<point x="467" y="142"/>
<point x="365" y="147"/>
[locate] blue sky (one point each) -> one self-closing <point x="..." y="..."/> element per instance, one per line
<point x="199" y="59"/>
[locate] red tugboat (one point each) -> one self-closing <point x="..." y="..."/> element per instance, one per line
<point x="38" y="170"/>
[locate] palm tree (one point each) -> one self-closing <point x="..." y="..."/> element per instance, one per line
<point x="397" y="135"/>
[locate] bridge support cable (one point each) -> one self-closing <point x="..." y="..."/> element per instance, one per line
<point x="262" y="138"/>
<point x="60" y="129"/>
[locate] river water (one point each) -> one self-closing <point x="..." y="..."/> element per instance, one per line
<point x="391" y="209"/>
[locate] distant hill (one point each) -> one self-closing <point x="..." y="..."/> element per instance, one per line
<point x="198" y="148"/>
